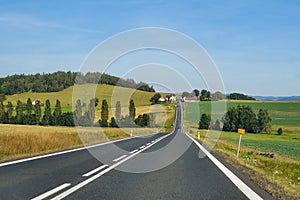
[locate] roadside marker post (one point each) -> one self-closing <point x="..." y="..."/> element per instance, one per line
<point x="131" y="133"/>
<point x="198" y="135"/>
<point x="241" y="133"/>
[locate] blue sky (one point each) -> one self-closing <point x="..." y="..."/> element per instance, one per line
<point x="255" y="44"/>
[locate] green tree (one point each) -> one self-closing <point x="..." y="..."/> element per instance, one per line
<point x="19" y="110"/>
<point x="2" y="112"/>
<point x="239" y="96"/>
<point x="196" y="92"/>
<point x="118" y="110"/>
<point x="187" y="94"/>
<point x="96" y="100"/>
<point x="113" y="123"/>
<point x="104" y="114"/>
<point x="57" y="112"/>
<point x="29" y="107"/>
<point x="47" y="114"/>
<point x="132" y="109"/>
<point x="10" y="109"/>
<point x="38" y="112"/>
<point x="279" y="131"/>
<point x="155" y="98"/>
<point x="218" y="96"/>
<point x="217" y="125"/>
<point x="78" y="110"/>
<point x="91" y="111"/>
<point x="240" y="117"/>
<point x="2" y="97"/>
<point x="204" y="122"/>
<point x="67" y="119"/>
<point x="205" y="95"/>
<point x="264" y="121"/>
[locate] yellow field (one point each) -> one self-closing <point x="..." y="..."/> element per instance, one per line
<point x="20" y="141"/>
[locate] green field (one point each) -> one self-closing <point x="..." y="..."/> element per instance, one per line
<point x="283" y="114"/>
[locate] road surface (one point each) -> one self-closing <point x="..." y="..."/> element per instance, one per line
<point x="161" y="166"/>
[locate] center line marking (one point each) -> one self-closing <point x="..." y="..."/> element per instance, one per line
<point x="133" y="151"/>
<point x="53" y="191"/>
<point x="91" y="179"/>
<point x="95" y="170"/>
<point x="120" y="158"/>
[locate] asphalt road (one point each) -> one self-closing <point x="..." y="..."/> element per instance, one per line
<point x="160" y="166"/>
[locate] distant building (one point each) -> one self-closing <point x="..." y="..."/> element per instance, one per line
<point x="35" y="102"/>
<point x="191" y="99"/>
<point x="161" y="99"/>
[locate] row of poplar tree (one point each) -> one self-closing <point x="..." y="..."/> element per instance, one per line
<point x="87" y="118"/>
<point x="27" y="113"/>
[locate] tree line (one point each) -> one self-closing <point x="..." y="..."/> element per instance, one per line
<point x="31" y="114"/>
<point x="27" y="113"/>
<point x="240" y="117"/>
<point x="206" y="95"/>
<point x="57" y="81"/>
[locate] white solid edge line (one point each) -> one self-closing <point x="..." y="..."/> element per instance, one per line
<point x="95" y="170"/>
<point x="67" y="151"/>
<point x="119" y="158"/>
<point x="234" y="179"/>
<point x="84" y="183"/>
<point x="53" y="191"/>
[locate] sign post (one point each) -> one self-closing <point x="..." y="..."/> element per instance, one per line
<point x="241" y="132"/>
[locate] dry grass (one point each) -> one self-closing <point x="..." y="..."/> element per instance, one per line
<point x="18" y="141"/>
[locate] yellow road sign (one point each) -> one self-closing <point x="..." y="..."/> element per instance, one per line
<point x="241" y="131"/>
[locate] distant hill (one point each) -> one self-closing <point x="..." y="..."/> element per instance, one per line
<point x="272" y="98"/>
<point x="58" y="81"/>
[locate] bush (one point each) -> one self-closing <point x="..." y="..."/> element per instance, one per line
<point x="204" y="122"/>
<point x="279" y="131"/>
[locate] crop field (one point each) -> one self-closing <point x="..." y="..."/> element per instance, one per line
<point x="282" y="113"/>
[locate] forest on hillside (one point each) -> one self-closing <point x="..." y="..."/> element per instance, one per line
<point x="57" y="81"/>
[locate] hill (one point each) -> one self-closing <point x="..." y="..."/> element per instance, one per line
<point x="272" y="98"/>
<point x="58" y="81"/>
<point x="141" y="98"/>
